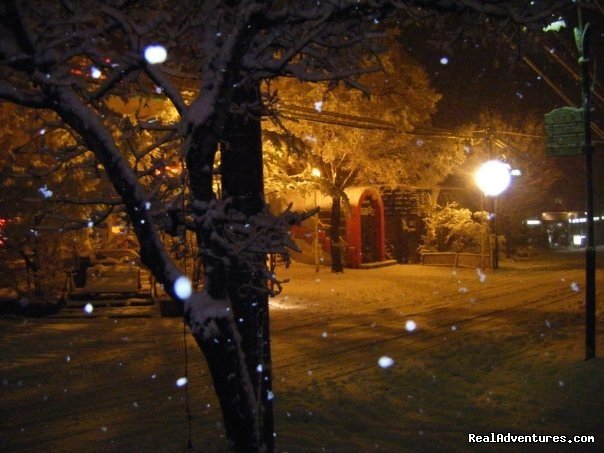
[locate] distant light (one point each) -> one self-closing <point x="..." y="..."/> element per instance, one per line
<point x="95" y="72"/>
<point x="444" y="61"/>
<point x="533" y="222"/>
<point x="385" y="362"/>
<point x="315" y="172"/>
<point x="183" y="288"/>
<point x="578" y="239"/>
<point x="555" y="26"/>
<point x="156" y="54"/>
<point x="515" y="172"/>
<point x="578" y="220"/>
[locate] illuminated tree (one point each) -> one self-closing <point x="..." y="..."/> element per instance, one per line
<point x="355" y="138"/>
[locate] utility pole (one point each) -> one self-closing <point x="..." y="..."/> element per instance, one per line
<point x="582" y="42"/>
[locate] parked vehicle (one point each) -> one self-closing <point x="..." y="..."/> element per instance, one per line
<point x="112" y="272"/>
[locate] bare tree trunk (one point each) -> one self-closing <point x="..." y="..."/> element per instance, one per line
<point x="220" y="343"/>
<point x="242" y="180"/>
<point x="334" y="235"/>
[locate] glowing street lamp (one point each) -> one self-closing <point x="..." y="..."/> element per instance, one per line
<point x="316" y="173"/>
<point x="492" y="178"/>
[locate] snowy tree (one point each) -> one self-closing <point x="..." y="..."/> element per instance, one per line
<point x="452" y="228"/>
<point x="86" y="61"/>
<point x="357" y="138"/>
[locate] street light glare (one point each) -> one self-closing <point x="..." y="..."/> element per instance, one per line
<point x="493" y="177"/>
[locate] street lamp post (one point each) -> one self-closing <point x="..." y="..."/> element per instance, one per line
<point x="316" y="173"/>
<point x="492" y="178"/>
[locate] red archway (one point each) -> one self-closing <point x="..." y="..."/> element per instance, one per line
<point x="365" y="226"/>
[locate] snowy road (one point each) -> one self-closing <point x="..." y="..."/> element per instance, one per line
<point x="500" y="352"/>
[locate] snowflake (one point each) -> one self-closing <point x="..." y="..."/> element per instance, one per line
<point x="45" y="191"/>
<point x="95" y="72"/>
<point x="410" y="326"/>
<point x="385" y="362"/>
<point x="182" y="287"/>
<point x="155" y="54"/>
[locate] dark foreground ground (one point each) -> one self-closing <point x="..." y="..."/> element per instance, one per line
<point x="499" y="353"/>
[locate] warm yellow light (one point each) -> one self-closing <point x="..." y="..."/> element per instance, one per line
<point x="493" y="177"/>
<point x="315" y="172"/>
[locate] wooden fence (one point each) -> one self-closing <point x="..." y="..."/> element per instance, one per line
<point x="472" y="260"/>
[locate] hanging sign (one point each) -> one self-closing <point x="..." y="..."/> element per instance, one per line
<point x="564" y="132"/>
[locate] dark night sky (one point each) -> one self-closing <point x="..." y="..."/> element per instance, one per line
<point x="476" y="78"/>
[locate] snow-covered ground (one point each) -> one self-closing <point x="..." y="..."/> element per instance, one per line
<point x="464" y="353"/>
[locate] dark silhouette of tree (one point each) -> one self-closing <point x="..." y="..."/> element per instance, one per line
<point x="84" y="61"/>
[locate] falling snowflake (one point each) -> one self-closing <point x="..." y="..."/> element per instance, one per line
<point x="575" y="287"/>
<point x="481" y="275"/>
<point x="88" y="308"/>
<point x="385" y="362"/>
<point x="183" y="288"/>
<point x="324" y="334"/>
<point x="410" y="326"/>
<point x="95" y="72"/>
<point x="463" y="290"/>
<point x="181" y="382"/>
<point x="318" y="106"/>
<point x="45" y="191"/>
<point x="68" y="358"/>
<point x="155" y="54"/>
<point x="444" y="61"/>
<point x="259" y="368"/>
<point x="270" y="395"/>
